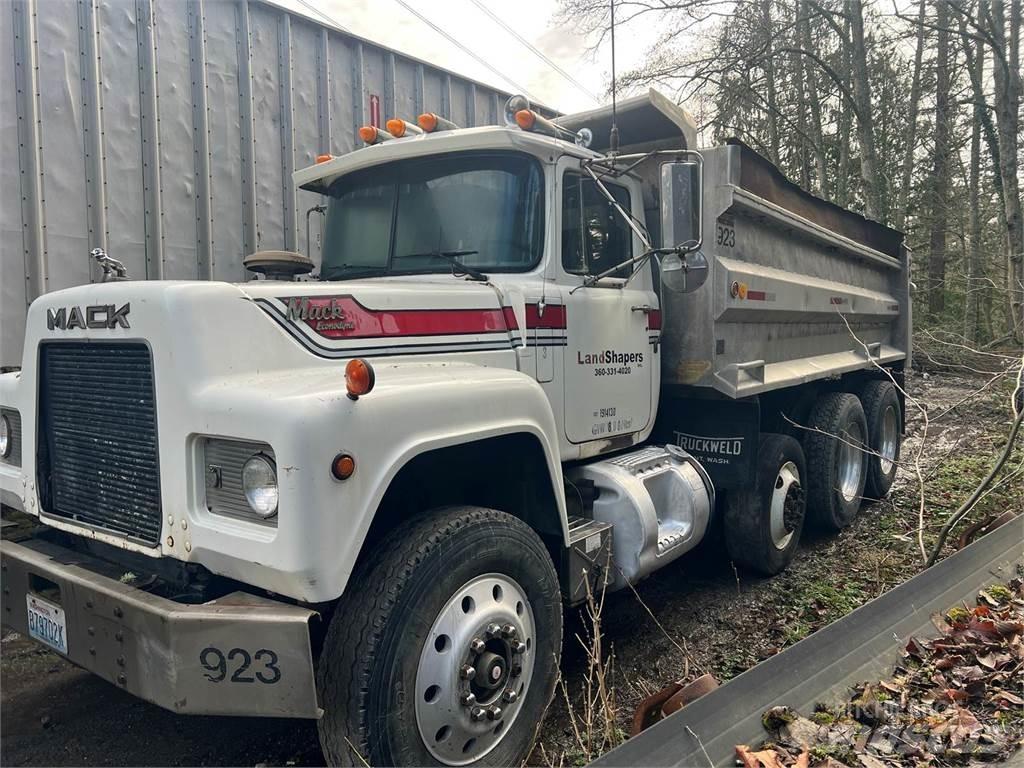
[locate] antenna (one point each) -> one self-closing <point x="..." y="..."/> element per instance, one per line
<point x="613" y="138"/>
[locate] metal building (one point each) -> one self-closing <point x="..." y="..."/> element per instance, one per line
<point x="167" y="133"/>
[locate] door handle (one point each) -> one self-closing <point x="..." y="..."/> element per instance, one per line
<point x="645" y="308"/>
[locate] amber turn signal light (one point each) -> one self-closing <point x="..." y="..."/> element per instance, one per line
<point x="343" y="466"/>
<point x="359" y="377"/>
<point x="323" y="158"/>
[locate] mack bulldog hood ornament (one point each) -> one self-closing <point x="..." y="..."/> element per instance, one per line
<point x="112" y="268"/>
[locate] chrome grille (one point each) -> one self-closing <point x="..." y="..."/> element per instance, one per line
<point x="98" y="458"/>
<point x="14" y="419"/>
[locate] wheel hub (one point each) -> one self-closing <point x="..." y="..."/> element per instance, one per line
<point x="785" y="505"/>
<point x="474" y="669"/>
<point x="890" y="439"/>
<point x="851" y="461"/>
<point x="491" y="672"/>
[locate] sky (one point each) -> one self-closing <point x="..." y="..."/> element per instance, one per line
<point x="390" y="23"/>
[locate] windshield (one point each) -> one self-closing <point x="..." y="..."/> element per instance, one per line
<point x="402" y="218"/>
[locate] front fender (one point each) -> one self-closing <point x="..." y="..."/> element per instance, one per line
<point x="308" y="419"/>
<point x="422" y="407"/>
<point x="12" y="488"/>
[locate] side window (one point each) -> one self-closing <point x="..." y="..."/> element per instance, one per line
<point x="594" y="235"/>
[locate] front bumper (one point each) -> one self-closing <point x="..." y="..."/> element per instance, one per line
<point x="238" y="655"/>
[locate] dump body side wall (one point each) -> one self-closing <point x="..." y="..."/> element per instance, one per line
<point x="788" y="299"/>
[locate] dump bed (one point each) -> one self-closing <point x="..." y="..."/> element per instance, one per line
<point x="799" y="288"/>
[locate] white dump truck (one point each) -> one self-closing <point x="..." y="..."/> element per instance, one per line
<point x="526" y="368"/>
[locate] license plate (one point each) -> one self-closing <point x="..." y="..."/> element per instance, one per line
<point x="46" y="623"/>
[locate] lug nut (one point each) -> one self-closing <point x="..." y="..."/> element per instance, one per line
<point x="508" y="631"/>
<point x="510" y="696"/>
<point x="516" y="670"/>
<point x="468" y="699"/>
<point x="477" y="714"/>
<point x="493" y="712"/>
<point x="467" y="672"/>
<point x="476" y="645"/>
<point x="493" y="630"/>
<point x="519" y="647"/>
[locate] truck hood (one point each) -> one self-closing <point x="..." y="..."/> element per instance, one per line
<point x="270" y="324"/>
<point x="385" y="315"/>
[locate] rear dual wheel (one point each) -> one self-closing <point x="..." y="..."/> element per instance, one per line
<point x="835" y="444"/>
<point x="885" y="431"/>
<point x="444" y="649"/>
<point x="763" y="524"/>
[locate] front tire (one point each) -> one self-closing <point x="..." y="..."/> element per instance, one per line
<point x="763" y="524"/>
<point x="462" y="587"/>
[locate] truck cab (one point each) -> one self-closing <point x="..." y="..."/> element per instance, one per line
<point x="362" y="490"/>
<point x="519" y="211"/>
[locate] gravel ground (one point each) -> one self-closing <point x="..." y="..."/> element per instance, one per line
<point x="699" y="615"/>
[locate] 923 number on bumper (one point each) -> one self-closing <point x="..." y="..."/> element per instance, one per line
<point x="216" y="664"/>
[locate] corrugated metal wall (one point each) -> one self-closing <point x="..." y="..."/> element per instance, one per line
<point x="166" y="131"/>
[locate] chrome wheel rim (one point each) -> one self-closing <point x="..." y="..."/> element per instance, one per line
<point x="785" y="505"/>
<point x="890" y="438"/>
<point x="475" y="669"/>
<point x="851" y="461"/>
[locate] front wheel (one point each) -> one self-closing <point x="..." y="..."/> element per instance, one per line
<point x="444" y="649"/>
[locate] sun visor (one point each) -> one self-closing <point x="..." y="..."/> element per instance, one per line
<point x="646" y="122"/>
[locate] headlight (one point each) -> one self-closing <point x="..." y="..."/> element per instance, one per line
<point x="5" y="437"/>
<point x="259" y="482"/>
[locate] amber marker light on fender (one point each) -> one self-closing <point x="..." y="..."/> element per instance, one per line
<point x="359" y="378"/>
<point x="343" y="466"/>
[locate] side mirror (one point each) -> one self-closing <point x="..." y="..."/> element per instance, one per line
<point x="681" y="186"/>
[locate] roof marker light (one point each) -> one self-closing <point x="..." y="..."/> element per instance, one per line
<point x="529" y="120"/>
<point x="430" y="122"/>
<point x="373" y="135"/>
<point x="525" y="118"/>
<point x="399" y="128"/>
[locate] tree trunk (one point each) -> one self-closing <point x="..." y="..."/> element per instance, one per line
<point x="819" y="186"/>
<point x="770" y="87"/>
<point x="842" y="195"/>
<point x="939" y="192"/>
<point x="869" y="171"/>
<point x="975" y="265"/>
<point x="910" y="138"/>
<point x="1007" y="81"/>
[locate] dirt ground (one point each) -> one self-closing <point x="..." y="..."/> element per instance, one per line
<point x="699" y="615"/>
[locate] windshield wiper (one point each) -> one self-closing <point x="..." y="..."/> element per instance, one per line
<point x="351" y="271"/>
<point x="453" y="257"/>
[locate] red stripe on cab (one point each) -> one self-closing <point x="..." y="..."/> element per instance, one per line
<point x="510" y="318"/>
<point x="342" y="317"/>
<point x="553" y="316"/>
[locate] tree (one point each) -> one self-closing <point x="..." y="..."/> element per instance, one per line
<point x="939" y="185"/>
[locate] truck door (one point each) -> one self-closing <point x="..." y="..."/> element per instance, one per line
<point x="609" y="361"/>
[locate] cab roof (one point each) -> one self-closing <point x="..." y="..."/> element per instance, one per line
<point x="319" y="177"/>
